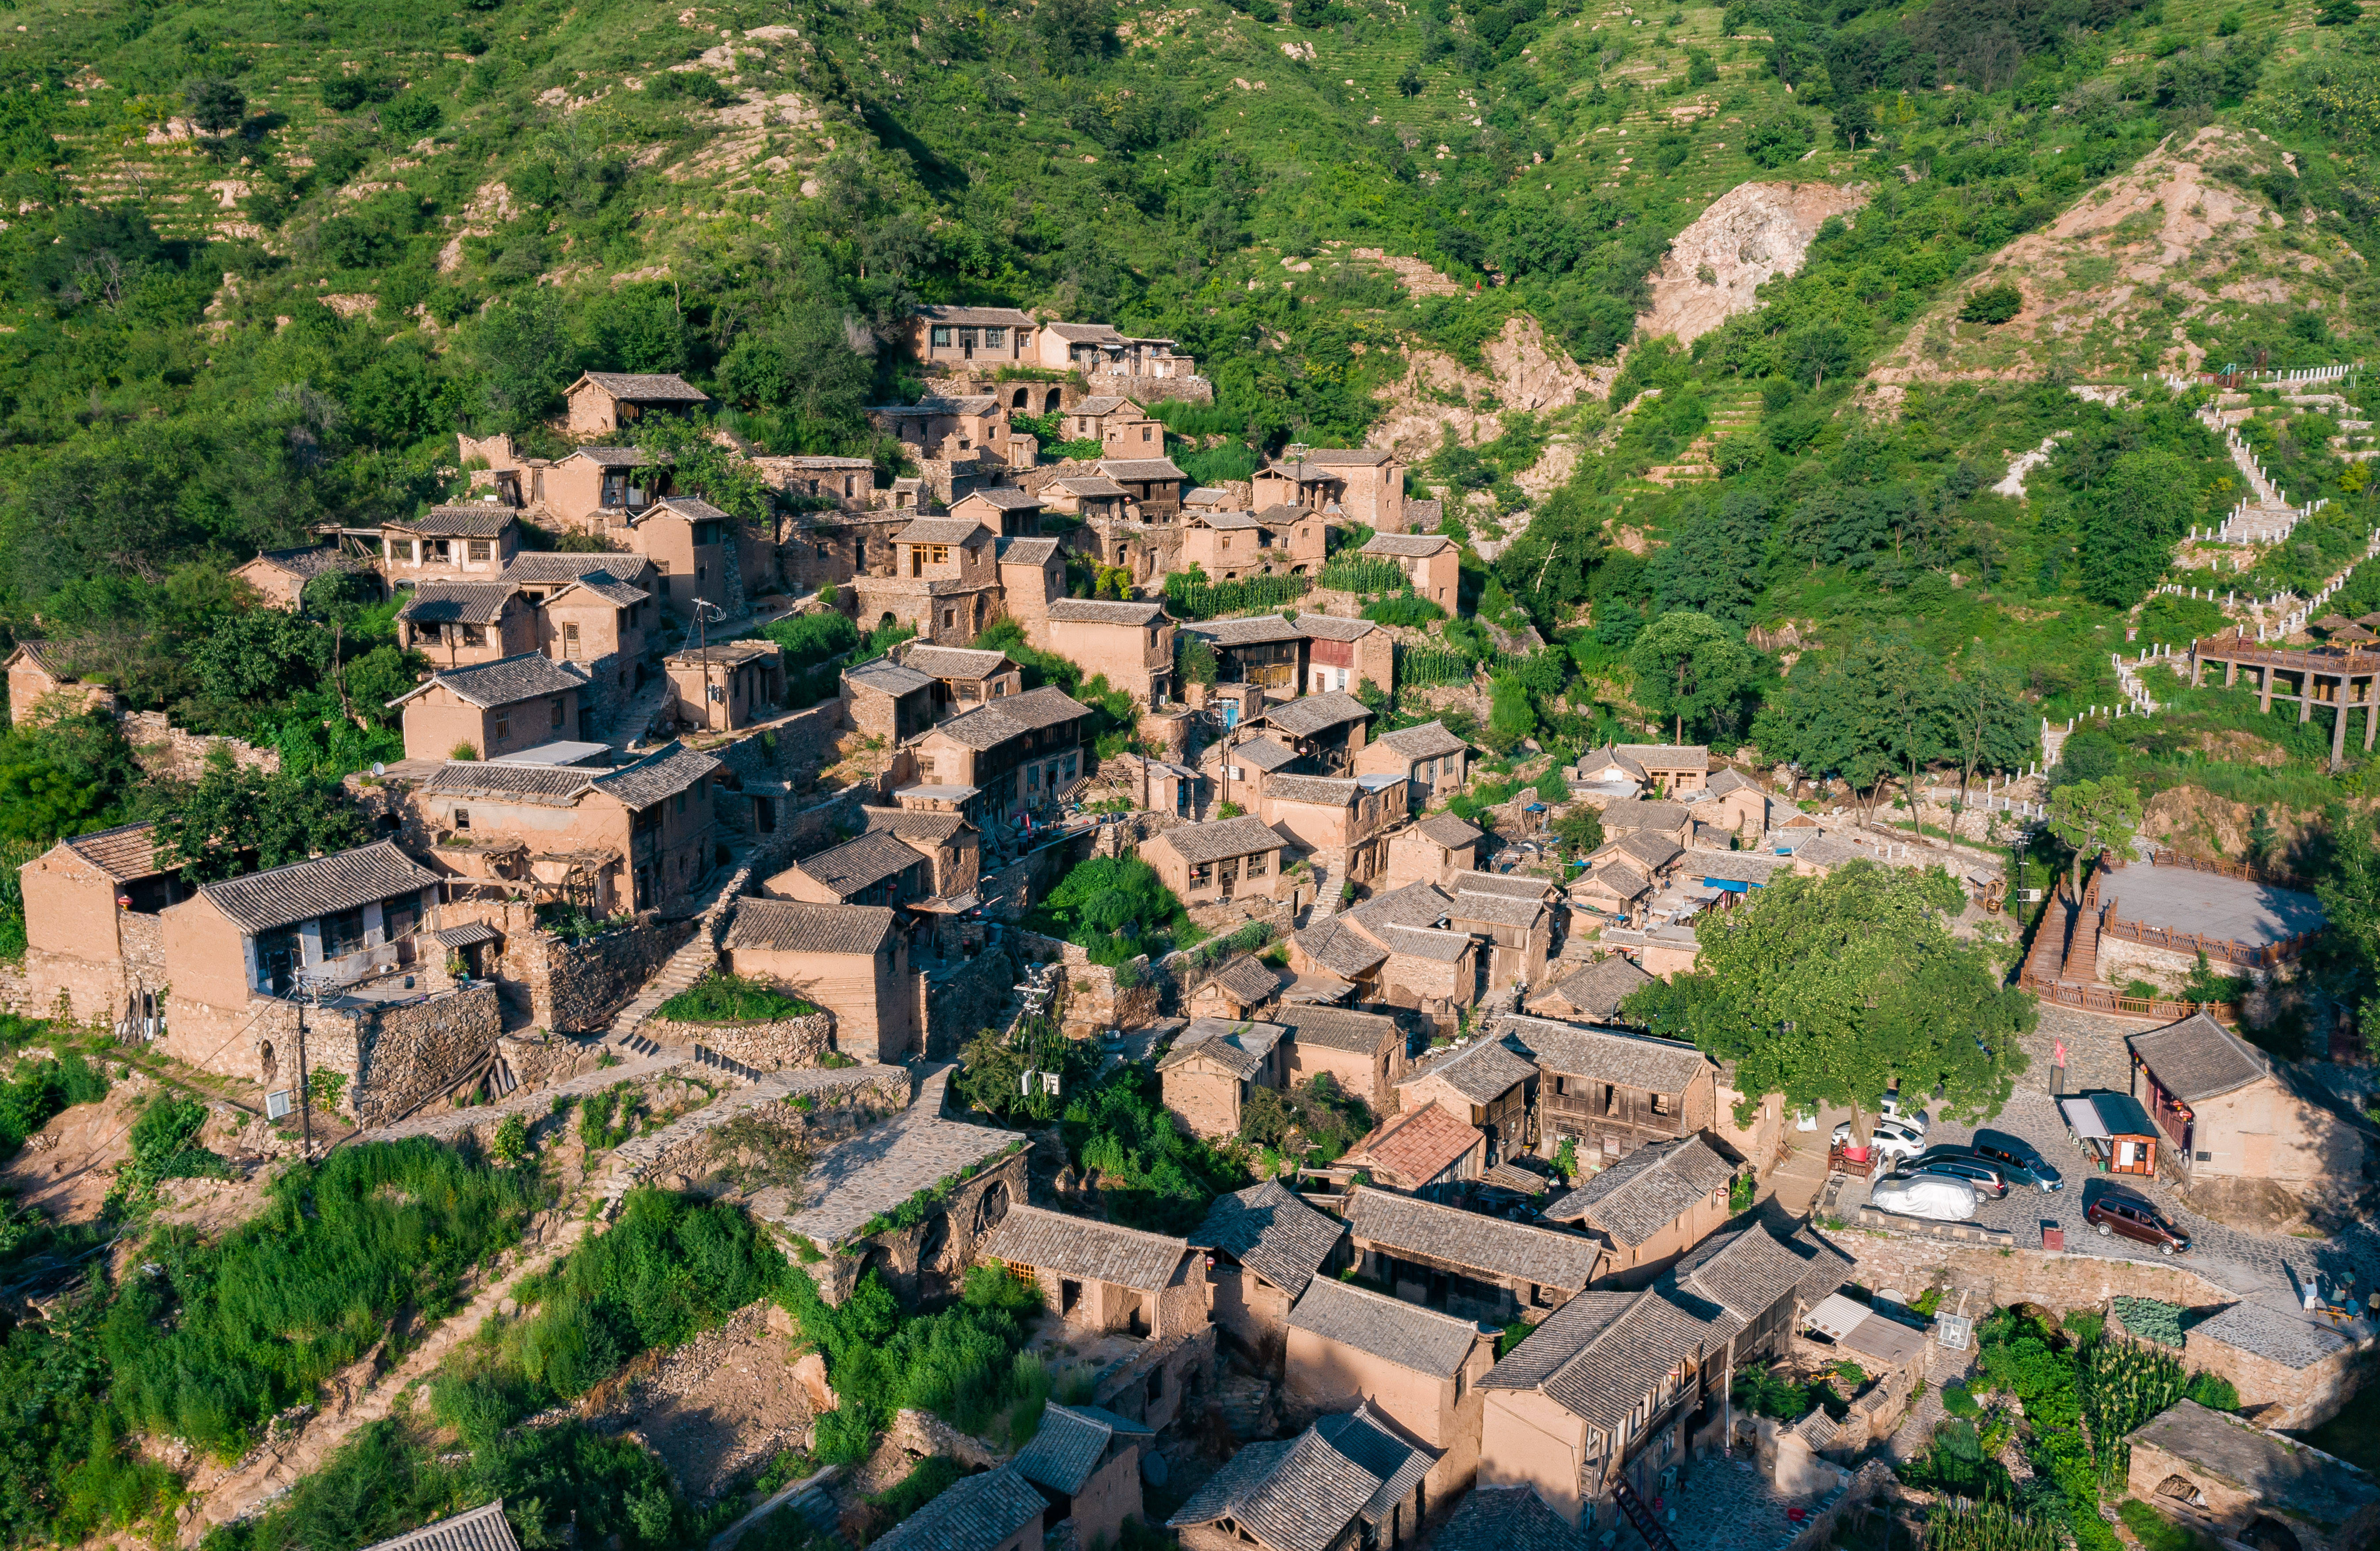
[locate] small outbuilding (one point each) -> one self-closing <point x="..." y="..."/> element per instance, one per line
<point x="2230" y="1112"/>
<point x="2235" y="1481"/>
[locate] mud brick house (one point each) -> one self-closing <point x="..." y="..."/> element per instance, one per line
<point x="964" y="677"/>
<point x="1129" y="643"/>
<point x="1733" y="801"/>
<point x="945" y="582"/>
<point x="1465" y="1263"/>
<point x="543" y="574"/>
<point x="93" y="933"/>
<point x="1508" y="914"/>
<point x="1325" y="731"/>
<point x="852" y="960"/>
<point x="944" y="430"/>
<point x="1214" y="1065"/>
<point x="1434" y="762"/>
<point x="474" y="541"/>
<point x="1432" y="565"/>
<point x="1614" y="1384"/>
<point x="1350" y="1348"/>
<point x="1341" y="824"/>
<point x="1008" y="512"/>
<point x="886" y="701"/>
<point x="1267" y="1247"/>
<point x="2229" y="1113"/>
<point x="53" y="670"/>
<point x="1267" y="650"/>
<point x="1589" y="993"/>
<point x="1363" y="1052"/>
<point x="1205" y="863"/>
<point x="602" y="402"/>
<point x="1152" y="486"/>
<point x="1669" y="822"/>
<point x="1243" y="987"/>
<point x="493" y="708"/>
<point x="600" y="622"/>
<point x="1098" y="350"/>
<point x="1438" y="850"/>
<point x="1103" y="1276"/>
<point x="279" y="576"/>
<point x="966" y="336"/>
<point x="1032" y="578"/>
<point x="1229" y="546"/>
<point x="1402" y="949"/>
<point x="1094" y="498"/>
<point x="727" y="686"/>
<point x="877" y="868"/>
<point x="1019" y="755"/>
<point x="699" y="551"/>
<point x="1366" y="484"/>
<point x="2240" y="1484"/>
<point x="635" y="838"/>
<point x="1487" y="1083"/>
<point x="1607" y="775"/>
<point x="952" y="849"/>
<point x="1650" y="1208"/>
<point x="1672" y="769"/>
<point x="1424" y="1152"/>
<point x="1300" y="539"/>
<point x="456" y="624"/>
<point x="848" y="481"/>
<point x="1123" y="428"/>
<point x="1614" y="1091"/>
<point x="1347" y="653"/>
<point x="997" y="1510"/>
<point x="1240" y="770"/>
<point x="1614" y="886"/>
<point x="1345" y="1482"/>
<point x="1086" y="1460"/>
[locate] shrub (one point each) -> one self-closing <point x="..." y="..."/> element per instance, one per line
<point x="1994" y="304"/>
<point x="720" y="998"/>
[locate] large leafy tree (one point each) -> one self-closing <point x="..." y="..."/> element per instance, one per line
<point x="2094" y="816"/>
<point x="236" y="818"/>
<point x="1830" y="990"/>
<point x="1884" y="704"/>
<point x="1692" y="671"/>
<point x="2131" y="520"/>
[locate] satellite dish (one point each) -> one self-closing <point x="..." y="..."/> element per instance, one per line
<point x="379" y="769"/>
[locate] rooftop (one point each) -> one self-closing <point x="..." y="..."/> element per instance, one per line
<point x="999" y="498"/>
<point x="1084" y="1248"/>
<point x="1417" y="1145"/>
<point x="1418" y="1340"/>
<point x="124" y="853"/>
<point x="482" y="1528"/>
<point x="1264" y="754"/>
<point x="647" y="387"/>
<point x="1070" y="1445"/>
<point x="1329" y="626"/>
<point x="1646" y="1191"/>
<point x="664" y="773"/>
<point x="480" y="520"/>
<point x="2278" y="1471"/>
<point x="1429" y="740"/>
<point x="2199" y="1058"/>
<point x="1330" y="790"/>
<point x="887" y="678"/>
<point x="1640" y="813"/>
<point x="1302" y="1494"/>
<point x="1240" y="1045"/>
<point x="318" y="887"/>
<point x="798" y="926"/>
<point x="1507" y="1519"/>
<point x="989" y="726"/>
<point x="860" y="863"/>
<point x="546" y="567"/>
<point x="1595" y="992"/>
<point x="943" y="530"/>
<point x="1097" y="611"/>
<point x="1309" y="715"/>
<point x="1359" y="1034"/>
<point x="724" y="652"/>
<point x="955" y="662"/>
<point x="1482" y="1071"/>
<point x="1023" y="551"/>
<point x="1614" y="1056"/>
<point x="1004" y="317"/>
<point x="1143" y="469"/>
<point x="1339" y="948"/>
<point x="1451" y="831"/>
<point x="1410" y="546"/>
<point x="1212" y="842"/>
<point x="1246" y="978"/>
<point x="1666" y="756"/>
<point x="505" y="681"/>
<point x="1406" y="1225"/>
<point x="1270" y="1229"/>
<point x="974" y="1513"/>
<point x="2277" y="1335"/>
<point x="1257" y="630"/>
<point x="854" y="1181"/>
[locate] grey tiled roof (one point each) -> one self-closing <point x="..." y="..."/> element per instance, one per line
<point x="2276" y="1471"/>
<point x="1270" y="1229"/>
<point x="124" y="852"/>
<point x="861" y="862"/>
<point x="694" y="509"/>
<point x="606" y="586"/>
<point x="1367" y="457"/>
<point x="545" y="785"/>
<point x="943" y="530"/>
<point x="1214" y="841"/>
<point x="1748" y="1270"/>
<point x="1424" y="942"/>
<point x="1515" y="1250"/>
<point x="505" y="681"/>
<point x="1449" y="831"/>
<point x="1100" y="405"/>
<point x="972" y="1514"/>
<point x="545" y="567"/>
<point x="989" y="726"/>
<point x="1251" y="631"/>
<point x="1106" y="611"/>
<point x="1646" y="1191"/>
<point x="886" y="677"/>
<point x="1263" y="753"/>
<point x="1340" y="948"/>
<point x="1002" y="317"/>
<point x="2276" y="1335"/>
<point x="1412" y="1338"/>
<point x="1068" y="1448"/>
<point x="1652" y="849"/>
<point x="1247" y="979"/>
<point x="1143" y="469"/>
<point x="1643" y="813"/>
<point x="1494" y="909"/>
<point x="1400" y="1465"/>
<point x="1729" y="779"/>
<point x="1597" y="990"/>
<point x="798" y="926"/>
<point x="1334" y="792"/>
<point x="1293" y="1497"/>
<point x="1417" y="904"/>
<point x="955" y="662"/>
<point x="482" y="1528"/>
<point x="1628" y="1361"/>
<point x="1023" y="551"/>
<point x="312" y="560"/>
<point x="1749" y="867"/>
<point x="2199" y="1058"/>
<point x="322" y="885"/>
<point x="1429" y="740"/>
<point x="1308" y="714"/>
<point x="647" y="387"/>
<point x="1508" y="886"/>
<point x="664" y="773"/>
<point x="1239" y="1046"/>
<point x="1094" y="1252"/>
<point x="1093" y="486"/>
<point x="613" y="457"/>
<point x="935" y="829"/>
<point x="1666" y="756"/>
<point x="1481" y="1071"/>
<point x="480" y="520"/>
<point x="1330" y="627"/>
<point x="1614" y="1056"/>
<point x="1611" y="872"/>
<point x="1358" y="1033"/>
<point x="1001" y="498"/>
<point x="1406" y="545"/>
<point x="469" y="602"/>
<point x="1507" y="1519"/>
<point x="1561" y="1336"/>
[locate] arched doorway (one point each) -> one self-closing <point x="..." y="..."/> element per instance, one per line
<point x="1023" y="399"/>
<point x="991" y="1206"/>
<point x="2268" y="1533"/>
<point x="888" y="622"/>
<point x="937" y="1239"/>
<point x="1049" y="404"/>
<point x="875" y="1259"/>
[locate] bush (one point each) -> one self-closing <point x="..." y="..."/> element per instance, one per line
<point x="720" y="998"/>
<point x="38" y="1090"/>
<point x="1995" y="304"/>
<point x="1116" y="906"/>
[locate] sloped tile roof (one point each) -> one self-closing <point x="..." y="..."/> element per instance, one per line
<point x="1308" y="714"/>
<point x="1365" y="457"/>
<point x="482" y="1528"/>
<point x="468" y="603"/>
<point x="1299" y="1495"/>
<point x="1086" y="334"/>
<point x="1449" y="831"/>
<point x="1270" y="1229"/>
<point x="1100" y="404"/>
<point x="604" y="585"/>
<point x="1239" y="1046"/>
<point x="664" y="773"/>
<point x="1614" y="1056"/>
<point x="1419" y="1339"/>
<point x="999" y="317"/>
<point x="312" y="560"/>
<point x="1429" y="740"/>
<point x="613" y="457"/>
<point x="1494" y="910"/>
<point x="545" y="567"/>
<point x="1358" y="1033"/>
<point x="1093" y="486"/>
<point x="936" y="829"/>
<point x="1448" y="1234"/>
<point x="1001" y="498"/>
<point x="1078" y="1246"/>
<point x="955" y="662"/>
<point x="1507" y="1519"/>
<point x="887" y="678"/>
<point x="972" y="1514"/>
<point x="1748" y="867"/>
<point x="1143" y="469"/>
<point x="1666" y="756"/>
<point x="1099" y="611"/>
<point x="1643" y="813"/>
<point x="1340" y="948"/>
<point x="2199" y="1058"/>
<point x="1330" y="627"/>
<point x="1561" y="1337"/>
<point x="551" y="786"/>
<point x="1225" y="522"/>
<point x="797" y="926"/>
<point x="1747" y="1271"/>
<point x="1264" y="754"/>
<point x="1413" y="546"/>
<point x="1418" y="1145"/>
<point x="1728" y="779"/>
<point x="647" y="387"/>
<point x="124" y="853"/>
<point x="860" y="863"/>
<point x="1595" y="992"/>
<point x="1646" y="1191"/>
<point x="2272" y="1469"/>
<point x="1247" y="979"/>
<point x="1024" y="552"/>
<point x="989" y="726"/>
<point x="1067" y="1448"/>
<point x="943" y="530"/>
<point x="1423" y="942"/>
<point x="1650" y="849"/>
<point x="1214" y="841"/>
<point x="1628" y="1361"/>
<point x="1482" y="1071"/>
<point x="1333" y="791"/>
<point x="505" y="681"/>
<point x="694" y="509"/>
<point x="323" y="886"/>
<point x="1253" y="631"/>
<point x="1505" y="885"/>
<point x="1400" y="1465"/>
<point x="480" y="520"/>
<point x="1416" y="904"/>
<point x="58" y="656"/>
<point x="2276" y="1335"/>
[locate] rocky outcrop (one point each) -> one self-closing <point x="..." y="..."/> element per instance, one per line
<point x="1753" y="233"/>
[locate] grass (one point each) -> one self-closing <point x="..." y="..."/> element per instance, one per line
<point x="720" y="998"/>
<point x="2157" y="1532"/>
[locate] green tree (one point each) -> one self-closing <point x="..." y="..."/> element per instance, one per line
<point x="1198" y="662"/>
<point x="2094" y="816"/>
<point x="1511" y="717"/>
<point x="1580" y="831"/>
<point x="1830" y="990"/>
<point x="62" y="774"/>
<point x="261" y="655"/>
<point x="2131" y="519"/>
<point x="1880" y="705"/>
<point x="1692" y="669"/>
<point x="236" y="819"/>
<point x="1110" y="905"/>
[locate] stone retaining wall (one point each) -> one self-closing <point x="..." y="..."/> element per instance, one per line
<point x="2057" y="1282"/>
<point x="404" y="1056"/>
<point x="767" y="1046"/>
<point x="1094" y="1002"/>
<point x="569" y="988"/>
<point x="2277" y="1395"/>
<point x="836" y="1112"/>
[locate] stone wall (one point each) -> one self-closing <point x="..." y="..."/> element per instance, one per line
<point x="857" y="1099"/>
<point x="162" y="750"/>
<point x="2059" y="1283"/>
<point x="964" y="1000"/>
<point x="1094" y="1000"/>
<point x="1009" y="893"/>
<point x="767" y="1046"/>
<point x="570" y="988"/>
<point x="405" y="1054"/>
<point x="2277" y="1395"/>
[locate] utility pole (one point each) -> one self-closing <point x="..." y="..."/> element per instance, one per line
<point x="301" y="993"/>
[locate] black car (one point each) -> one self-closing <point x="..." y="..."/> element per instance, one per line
<point x="2019" y="1163"/>
<point x="1989" y="1179"/>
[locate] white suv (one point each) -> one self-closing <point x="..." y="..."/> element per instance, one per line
<point x="1891" y="1139"/>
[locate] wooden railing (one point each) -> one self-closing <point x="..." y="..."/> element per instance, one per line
<point x="2248" y="654"/>
<point x="2241" y="870"/>
<point x="2245" y="955"/>
<point x="2100" y="998"/>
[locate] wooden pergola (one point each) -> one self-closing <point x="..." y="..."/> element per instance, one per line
<point x="2342" y="679"/>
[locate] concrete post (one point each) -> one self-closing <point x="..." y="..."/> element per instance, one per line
<point x="2305" y="696"/>
<point x="2338" y="724"/>
<point x="2265" y="696"/>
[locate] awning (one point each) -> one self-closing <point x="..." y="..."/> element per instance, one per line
<point x="1836" y="1315"/>
<point x="2083" y="1118"/>
<point x="470" y="934"/>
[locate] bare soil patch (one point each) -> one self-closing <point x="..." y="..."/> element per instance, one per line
<point x="719" y="1408"/>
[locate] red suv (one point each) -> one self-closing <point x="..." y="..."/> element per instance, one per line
<point x="2137" y="1220"/>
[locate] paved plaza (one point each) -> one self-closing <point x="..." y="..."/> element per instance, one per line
<point x="2181" y="899"/>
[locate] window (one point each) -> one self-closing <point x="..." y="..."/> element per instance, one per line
<point x="477" y="549"/>
<point x="1611" y="1098"/>
<point x="1144" y="433"/>
<point x="342" y="933"/>
<point x="941" y="338"/>
<point x="554" y="712"/>
<point x="680" y="802"/>
<point x="569" y="640"/>
<point x="966" y="339"/>
<point x="1257" y="865"/>
<point x="995" y="339"/>
<point x="463" y="819"/>
<point x="503" y="728"/>
<point x="471" y="635"/>
<point x="938" y="554"/>
<point x="1661" y="1104"/>
<point x="949" y="618"/>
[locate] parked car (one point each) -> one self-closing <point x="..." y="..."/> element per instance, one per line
<point x="1935" y="1196"/>
<point x="1913" y="1118"/>
<point x="2021" y="1163"/>
<point x="1989" y="1182"/>
<point x="2136" y="1220"/>
<point x="1889" y="1138"/>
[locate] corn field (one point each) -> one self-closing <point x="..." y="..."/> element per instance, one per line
<point x="1205" y="600"/>
<point x="1355" y="573"/>
<point x="1960" y="1526"/>
<point x="1511" y="662"/>
<point x="2119" y="1384"/>
<point x="1430" y="664"/>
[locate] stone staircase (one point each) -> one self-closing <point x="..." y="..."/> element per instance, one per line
<point x="1330" y="882"/>
<point x="698" y="958"/>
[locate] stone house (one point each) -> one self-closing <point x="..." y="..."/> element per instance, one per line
<point x="1614" y="1385"/>
<point x="1019" y="755"/>
<point x="1509" y="915"/>
<point x="1654" y="819"/>
<point x="2231" y="1114"/>
<point x="94" y="929"/>
<point x="1325" y="731"/>
<point x="1300" y="539"/>
<point x="1589" y="993"/>
<point x="699" y="551"/>
<point x="887" y="702"/>
<point x="970" y="1177"/>
<point x="456" y="624"/>
<point x="1346" y="1483"/>
<point x="1740" y="805"/>
<point x="1240" y="770"/>
<point x="729" y="684"/>
<point x="1434" y="762"/>
<point x="635" y="838"/>
<point x="2236" y="1483"/>
<point x="1213" y="1067"/>
<point x="997" y="1511"/>
<point x="1229" y="546"/>
<point x="849" y="481"/>
<point x="964" y="677"/>
<point x="1342" y="824"/>
<point x="44" y="670"/>
<point x="1363" y="1052"/>
<point x="944" y="429"/>
<point x="599" y="621"/>
<point x="875" y="868"/>
<point x="1424" y="1152"/>
<point x="966" y="336"/>
<point x="1466" y="1263"/>
<point x="1267" y="650"/>
<point x="1152" y="486"/>
<point x="1347" y="653"/>
<point x="1366" y="484"/>
<point x="1402" y="949"/>
<point x="1438" y="850"/>
<point x="1419" y="1370"/>
<point x="1095" y="498"/>
<point x="452" y="543"/>
<point x="2291" y="1369"/>
<point x="1672" y="769"/>
<point x="1614" y="886"/>
<point x="1265" y="1247"/>
<point x="278" y="577"/>
<point x="1086" y="1460"/>
<point x="1207" y="863"/>
<point x="493" y="708"/>
<point x="1129" y="643"/>
<point x="1485" y="1082"/>
<point x="1007" y="511"/>
<point x="1433" y="566"/>
<point x="1098" y="350"/>
<point x="952" y="847"/>
<point x="602" y="402"/>
<point x="1102" y="1276"/>
<point x="945" y="584"/>
<point x="1243" y="986"/>
<point x="852" y="960"/>
<point x="1124" y="429"/>
<point x="1650" y="1208"/>
<point x="1611" y="1092"/>
<point x="1032" y="580"/>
